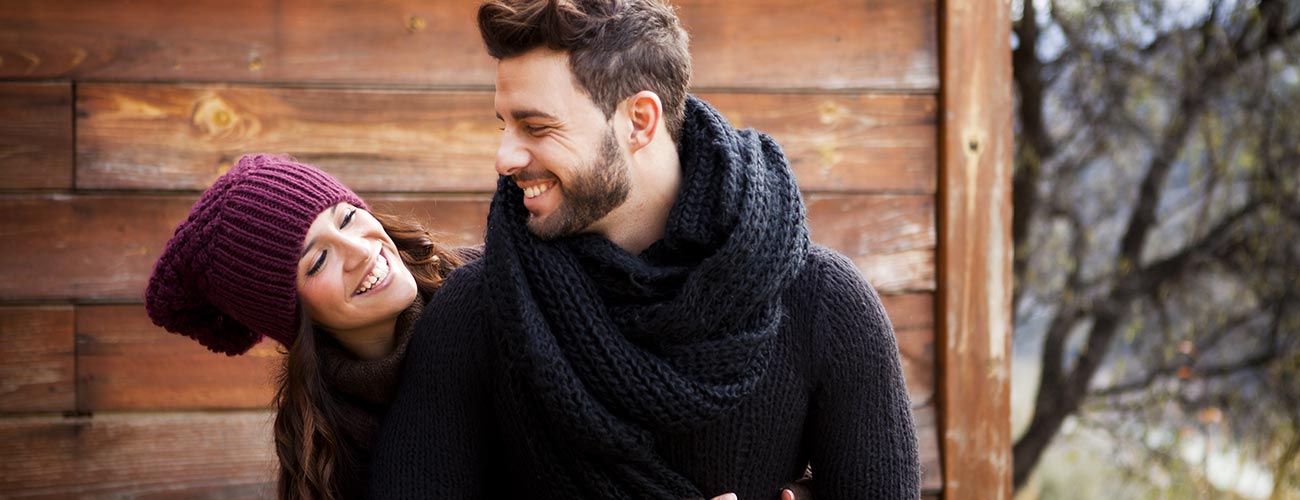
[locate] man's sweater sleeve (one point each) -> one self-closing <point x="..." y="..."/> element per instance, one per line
<point x="433" y="440"/>
<point x="863" y="440"/>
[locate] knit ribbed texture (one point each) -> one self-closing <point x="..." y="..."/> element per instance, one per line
<point x="363" y="389"/>
<point x="228" y="276"/>
<point x="613" y="349"/>
<point x="710" y="363"/>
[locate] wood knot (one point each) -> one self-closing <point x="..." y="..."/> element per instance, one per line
<point x="255" y="64"/>
<point x="218" y="121"/>
<point x="415" y="23"/>
<point x="831" y="112"/>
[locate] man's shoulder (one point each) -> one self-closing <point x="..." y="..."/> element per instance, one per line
<point x="460" y="294"/>
<point x="465" y="279"/>
<point x="828" y="271"/>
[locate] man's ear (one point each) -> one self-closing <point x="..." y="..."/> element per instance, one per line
<point x="646" y="112"/>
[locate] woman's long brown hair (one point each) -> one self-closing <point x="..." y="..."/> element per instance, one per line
<point x="307" y="440"/>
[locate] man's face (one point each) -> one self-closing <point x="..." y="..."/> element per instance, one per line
<point x="557" y="146"/>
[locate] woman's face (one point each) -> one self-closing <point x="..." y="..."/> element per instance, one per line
<point x="350" y="278"/>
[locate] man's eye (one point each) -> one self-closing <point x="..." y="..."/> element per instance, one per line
<point x="347" y="218"/>
<point x="320" y="261"/>
<point x="536" y="129"/>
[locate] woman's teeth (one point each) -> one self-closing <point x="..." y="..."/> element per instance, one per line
<point x="376" y="274"/>
<point x="535" y="191"/>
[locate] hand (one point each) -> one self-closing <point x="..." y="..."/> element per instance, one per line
<point x="796" y="491"/>
<point x="725" y="496"/>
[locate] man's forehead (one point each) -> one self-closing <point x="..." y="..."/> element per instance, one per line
<point x="535" y="82"/>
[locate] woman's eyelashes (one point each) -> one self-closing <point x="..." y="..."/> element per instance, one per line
<point x="320" y="261"/>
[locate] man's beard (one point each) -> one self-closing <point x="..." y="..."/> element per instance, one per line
<point x="596" y="190"/>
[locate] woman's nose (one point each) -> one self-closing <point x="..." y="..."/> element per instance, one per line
<point x="355" y="251"/>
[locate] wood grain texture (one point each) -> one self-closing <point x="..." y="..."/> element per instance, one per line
<point x="153" y="136"/>
<point x="35" y="135"/>
<point x="912" y="316"/>
<point x="975" y="257"/>
<point x="183" y="137"/>
<point x="824" y="44"/>
<point x="406" y="42"/>
<point x="37" y="364"/>
<point x="225" y="455"/>
<point x="891" y="238"/>
<point x="927" y="435"/>
<point x="127" y="363"/>
<point x="104" y="246"/>
<point x="803" y="44"/>
<point x="845" y="142"/>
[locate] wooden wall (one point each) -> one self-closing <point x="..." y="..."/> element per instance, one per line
<point x="115" y="114"/>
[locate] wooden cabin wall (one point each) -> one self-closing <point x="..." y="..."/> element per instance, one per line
<point x="116" y="114"/>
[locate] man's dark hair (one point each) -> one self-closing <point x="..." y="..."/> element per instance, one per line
<point x="616" y="47"/>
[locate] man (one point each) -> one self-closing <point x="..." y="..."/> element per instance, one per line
<point x="649" y="319"/>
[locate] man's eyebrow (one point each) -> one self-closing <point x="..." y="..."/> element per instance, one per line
<point x="312" y="243"/>
<point x="524" y="114"/>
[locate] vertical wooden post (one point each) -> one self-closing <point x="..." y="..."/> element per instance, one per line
<point x="975" y="281"/>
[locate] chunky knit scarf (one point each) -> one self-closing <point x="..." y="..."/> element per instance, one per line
<point x="603" y="350"/>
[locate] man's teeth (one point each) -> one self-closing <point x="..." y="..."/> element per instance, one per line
<point x="378" y="273"/>
<point x="535" y="191"/>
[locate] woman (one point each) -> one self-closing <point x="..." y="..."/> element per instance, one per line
<point x="282" y="250"/>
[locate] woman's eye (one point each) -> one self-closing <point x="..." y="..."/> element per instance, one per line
<point x="320" y="261"/>
<point x="347" y="218"/>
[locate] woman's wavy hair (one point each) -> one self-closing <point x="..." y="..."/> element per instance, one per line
<point x="308" y="441"/>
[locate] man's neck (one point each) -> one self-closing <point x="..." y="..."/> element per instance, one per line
<point x="643" y="218"/>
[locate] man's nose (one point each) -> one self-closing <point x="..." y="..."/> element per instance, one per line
<point x="511" y="155"/>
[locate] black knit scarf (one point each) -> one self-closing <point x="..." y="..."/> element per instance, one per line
<point x="603" y="349"/>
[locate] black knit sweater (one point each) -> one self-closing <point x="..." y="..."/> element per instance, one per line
<point x="833" y="396"/>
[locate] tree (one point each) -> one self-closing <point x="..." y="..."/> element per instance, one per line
<point x="1157" y="221"/>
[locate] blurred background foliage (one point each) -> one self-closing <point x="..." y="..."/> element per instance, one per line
<point x="1157" y="236"/>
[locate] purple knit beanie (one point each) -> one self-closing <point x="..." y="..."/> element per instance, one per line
<point x="228" y="276"/>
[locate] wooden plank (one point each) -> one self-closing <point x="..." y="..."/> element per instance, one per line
<point x="825" y="44"/>
<point x="104" y="246"/>
<point x="927" y="435"/>
<point x="890" y="237"/>
<point x="147" y="136"/>
<point x="407" y="42"/>
<point x="845" y="143"/>
<point x="35" y="135"/>
<point x="912" y="316"/>
<point x="159" y="456"/>
<point x="127" y="363"/>
<point x="757" y="44"/>
<point x="183" y="137"/>
<point x="975" y="257"/>
<point x="37" y="364"/>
